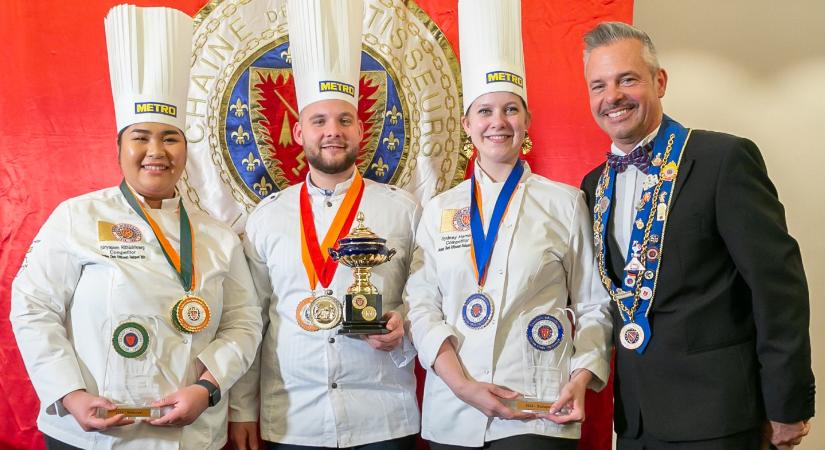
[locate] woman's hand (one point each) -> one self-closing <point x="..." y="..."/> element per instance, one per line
<point x="489" y="399"/>
<point x="83" y="407"/>
<point x="187" y="405"/>
<point x="570" y="405"/>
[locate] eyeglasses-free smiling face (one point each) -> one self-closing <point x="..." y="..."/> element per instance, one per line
<point x="496" y="123"/>
<point x="152" y="159"/>
<point x="330" y="134"/>
<point x="625" y="96"/>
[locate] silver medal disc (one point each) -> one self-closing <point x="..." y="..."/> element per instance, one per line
<point x="632" y="335"/>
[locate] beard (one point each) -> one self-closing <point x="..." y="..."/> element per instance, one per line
<point x="331" y="164"/>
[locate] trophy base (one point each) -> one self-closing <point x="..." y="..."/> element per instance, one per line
<point x="530" y="405"/>
<point x="133" y="412"/>
<point x="377" y="327"/>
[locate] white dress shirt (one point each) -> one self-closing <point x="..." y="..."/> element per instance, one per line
<point x="80" y="280"/>
<point x="320" y="388"/>
<point x="626" y="195"/>
<point x="542" y="257"/>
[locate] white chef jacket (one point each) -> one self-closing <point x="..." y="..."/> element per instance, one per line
<point x="542" y="257"/>
<point x="319" y="388"/>
<point x="79" y="281"/>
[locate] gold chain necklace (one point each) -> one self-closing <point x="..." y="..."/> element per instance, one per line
<point x="606" y="281"/>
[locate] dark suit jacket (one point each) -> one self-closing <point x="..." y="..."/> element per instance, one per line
<point x="730" y="343"/>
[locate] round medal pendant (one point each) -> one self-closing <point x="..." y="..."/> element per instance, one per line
<point x="191" y="314"/>
<point x="325" y="312"/>
<point x="632" y="335"/>
<point x="477" y="311"/>
<point x="302" y="316"/>
<point x="130" y="339"/>
<point x="545" y="332"/>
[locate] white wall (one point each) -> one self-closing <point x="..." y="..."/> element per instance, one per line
<point x="756" y="68"/>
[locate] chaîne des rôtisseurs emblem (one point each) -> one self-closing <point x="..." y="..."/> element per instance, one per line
<point x="242" y="106"/>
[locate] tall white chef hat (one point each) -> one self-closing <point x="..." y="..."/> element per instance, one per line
<point x="492" y="58"/>
<point x="150" y="51"/>
<point x="325" y="44"/>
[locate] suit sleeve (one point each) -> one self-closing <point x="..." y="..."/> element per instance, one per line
<point x="751" y="221"/>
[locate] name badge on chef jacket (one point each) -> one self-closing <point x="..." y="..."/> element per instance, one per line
<point x="455" y="229"/>
<point x="120" y="240"/>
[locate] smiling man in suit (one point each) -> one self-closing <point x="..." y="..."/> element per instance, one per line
<point x="710" y="302"/>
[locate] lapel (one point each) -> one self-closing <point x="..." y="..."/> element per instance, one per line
<point x="684" y="173"/>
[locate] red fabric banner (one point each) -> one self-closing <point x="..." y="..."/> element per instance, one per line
<point x="57" y="138"/>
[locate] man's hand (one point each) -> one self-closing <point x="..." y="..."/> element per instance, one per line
<point x="388" y="342"/>
<point x="83" y="407"/>
<point x="187" y="405"/>
<point x="244" y="435"/>
<point x="488" y="398"/>
<point x="787" y="435"/>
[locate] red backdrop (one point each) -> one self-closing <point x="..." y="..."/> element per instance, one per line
<point x="57" y="137"/>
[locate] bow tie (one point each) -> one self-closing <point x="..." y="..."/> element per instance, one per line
<point x="639" y="157"/>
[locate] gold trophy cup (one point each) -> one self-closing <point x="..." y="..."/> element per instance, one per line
<point x="362" y="250"/>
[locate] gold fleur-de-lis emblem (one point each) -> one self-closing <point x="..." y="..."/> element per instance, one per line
<point x="394" y="115"/>
<point x="240" y="135"/>
<point x="286" y="56"/>
<point x="262" y="187"/>
<point x="391" y="141"/>
<point x="239" y="108"/>
<point x="251" y="161"/>
<point x="379" y="167"/>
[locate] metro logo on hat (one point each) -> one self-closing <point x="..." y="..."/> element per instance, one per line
<point x="150" y="50"/>
<point x="492" y="57"/>
<point x="325" y="44"/>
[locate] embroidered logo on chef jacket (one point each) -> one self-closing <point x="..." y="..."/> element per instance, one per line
<point x="455" y="229"/>
<point x="26" y="257"/>
<point x="120" y="240"/>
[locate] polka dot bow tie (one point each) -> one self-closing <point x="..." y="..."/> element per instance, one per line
<point x="640" y="157"/>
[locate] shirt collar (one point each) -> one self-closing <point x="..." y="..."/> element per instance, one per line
<point x="169" y="204"/>
<point x="340" y="188"/>
<point x="615" y="150"/>
<point x="485" y="179"/>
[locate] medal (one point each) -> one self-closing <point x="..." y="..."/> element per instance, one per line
<point x="191" y="314"/>
<point x="325" y="312"/>
<point x="477" y="311"/>
<point x="130" y="339"/>
<point x="634" y="298"/>
<point x="302" y="316"/>
<point x="545" y="332"/>
<point x="632" y="336"/>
